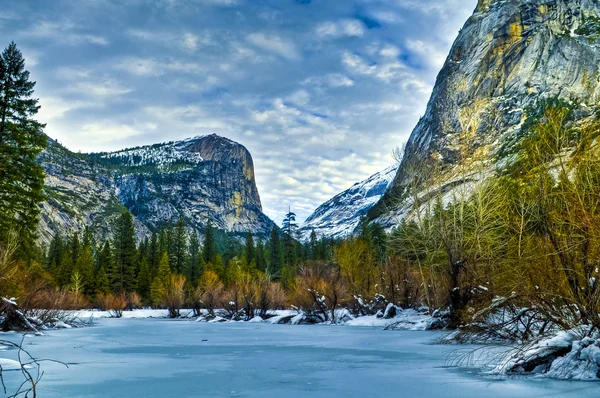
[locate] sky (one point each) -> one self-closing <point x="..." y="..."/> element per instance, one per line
<point x="320" y="91"/>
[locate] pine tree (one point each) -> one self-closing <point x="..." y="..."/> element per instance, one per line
<point x="195" y="259"/>
<point x="163" y="246"/>
<point x="209" y="243"/>
<point x="250" y="251"/>
<point x="144" y="280"/>
<point x="21" y="140"/>
<point x="170" y="235"/>
<point x="55" y="254"/>
<point x="261" y="261"/>
<point x="104" y="258"/>
<point x="102" y="281"/>
<point x="75" y="248"/>
<point x="219" y="267"/>
<point x="159" y="285"/>
<point x="85" y="268"/>
<point x="180" y="248"/>
<point x="153" y="253"/>
<point x="232" y="250"/>
<point x="275" y="263"/>
<point x="313" y="245"/>
<point x="76" y="283"/>
<point x="68" y="265"/>
<point x="289" y="231"/>
<point x="125" y="254"/>
<point x="88" y="238"/>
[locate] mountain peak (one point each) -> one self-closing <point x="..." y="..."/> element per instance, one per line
<point x="504" y="60"/>
<point x="202" y="178"/>
<point x="339" y="216"/>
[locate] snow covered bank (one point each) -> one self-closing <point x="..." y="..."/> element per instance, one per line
<point x="133" y="314"/>
<point x="566" y="356"/>
<point x="399" y="320"/>
<point x="404" y="320"/>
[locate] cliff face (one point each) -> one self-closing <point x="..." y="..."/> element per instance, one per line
<point x="339" y="216"/>
<point x="200" y="178"/>
<point x="509" y="55"/>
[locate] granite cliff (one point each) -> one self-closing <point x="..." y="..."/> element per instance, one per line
<point x="202" y="178"/>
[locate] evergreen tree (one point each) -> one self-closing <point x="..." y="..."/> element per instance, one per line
<point x="21" y="140"/>
<point x="104" y="259"/>
<point x="163" y="246"/>
<point x="232" y="250"/>
<point x="55" y="255"/>
<point x="250" y="251"/>
<point x="194" y="267"/>
<point x="289" y="244"/>
<point x="102" y="281"/>
<point x="143" y="250"/>
<point x="180" y="248"/>
<point x="209" y="251"/>
<point x="144" y="280"/>
<point x="261" y="261"/>
<point x="313" y="245"/>
<point x="218" y="267"/>
<point x="159" y="285"/>
<point x="75" y="248"/>
<point x="170" y="236"/>
<point x="275" y="261"/>
<point x="85" y="268"/>
<point x="379" y="241"/>
<point x="153" y="253"/>
<point x="125" y="254"/>
<point x="88" y="238"/>
<point x="68" y="265"/>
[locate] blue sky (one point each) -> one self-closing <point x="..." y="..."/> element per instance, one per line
<point x="319" y="91"/>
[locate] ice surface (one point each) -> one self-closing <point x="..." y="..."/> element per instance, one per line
<point x="181" y="358"/>
<point x="9" y="364"/>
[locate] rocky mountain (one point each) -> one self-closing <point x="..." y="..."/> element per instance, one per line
<point x="199" y="178"/>
<point x="509" y="55"/>
<point x="339" y="217"/>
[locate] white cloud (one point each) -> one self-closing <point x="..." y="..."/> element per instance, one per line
<point x="98" y="133"/>
<point x="390" y="51"/>
<point x="190" y="42"/>
<point x="65" y="32"/>
<point x="157" y="67"/>
<point x="275" y="44"/>
<point x="332" y="80"/>
<point x="386" y="71"/>
<point x="226" y="3"/>
<point x="345" y="28"/>
<point x="53" y="108"/>
<point x="431" y="54"/>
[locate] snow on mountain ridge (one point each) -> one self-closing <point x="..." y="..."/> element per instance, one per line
<point x="160" y="155"/>
<point x="339" y="217"/>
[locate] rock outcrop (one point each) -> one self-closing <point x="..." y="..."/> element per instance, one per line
<point x="339" y="216"/>
<point x="508" y="56"/>
<point x="203" y="178"/>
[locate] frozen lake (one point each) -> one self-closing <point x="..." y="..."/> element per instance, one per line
<point x="164" y="358"/>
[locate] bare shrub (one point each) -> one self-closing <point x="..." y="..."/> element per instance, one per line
<point x="174" y="296"/>
<point x="113" y="303"/>
<point x="134" y="301"/>
<point x="209" y="292"/>
<point x="272" y="297"/>
<point x="319" y="291"/>
<point x="51" y="305"/>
